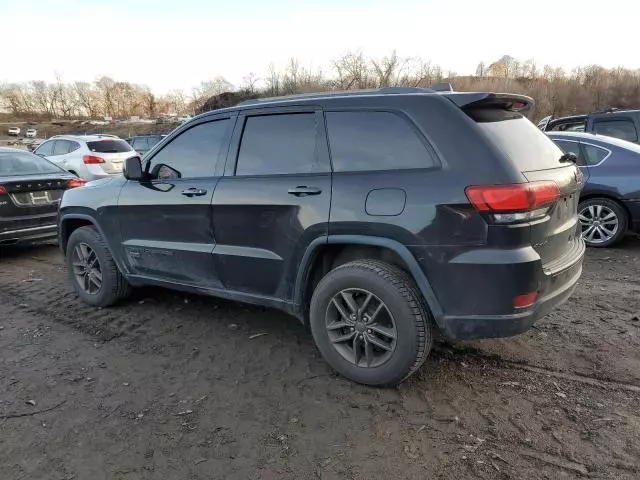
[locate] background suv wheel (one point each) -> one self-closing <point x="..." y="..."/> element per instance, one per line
<point x="370" y="322"/>
<point x="92" y="270"/>
<point x="603" y="221"/>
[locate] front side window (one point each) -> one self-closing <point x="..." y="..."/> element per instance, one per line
<point x="623" y="129"/>
<point x="193" y="153"/>
<point x="365" y="140"/>
<point x="278" y="144"/>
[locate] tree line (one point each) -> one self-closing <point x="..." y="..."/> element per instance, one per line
<point x="555" y="91"/>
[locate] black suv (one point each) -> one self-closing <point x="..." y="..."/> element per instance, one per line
<point x="377" y="217"/>
<point x="622" y="124"/>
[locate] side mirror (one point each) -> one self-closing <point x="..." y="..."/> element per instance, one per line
<point x="133" y="169"/>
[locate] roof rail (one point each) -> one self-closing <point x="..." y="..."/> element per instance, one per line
<point x="376" y="91"/>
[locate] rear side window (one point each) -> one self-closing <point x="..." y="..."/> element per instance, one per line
<point x="594" y="154"/>
<point x="623" y="129"/>
<point x="572" y="147"/>
<point x="365" y="140"/>
<point x="61" y="147"/>
<point x="109" y="145"/>
<point x="278" y="144"/>
<point x="520" y="140"/>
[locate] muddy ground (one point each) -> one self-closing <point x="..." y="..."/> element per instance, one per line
<point x="168" y="386"/>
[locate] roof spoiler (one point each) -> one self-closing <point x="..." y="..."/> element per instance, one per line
<point x="503" y="101"/>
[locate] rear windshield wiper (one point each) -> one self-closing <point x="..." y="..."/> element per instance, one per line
<point x="569" y="157"/>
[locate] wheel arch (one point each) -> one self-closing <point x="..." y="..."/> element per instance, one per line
<point x="327" y="252"/>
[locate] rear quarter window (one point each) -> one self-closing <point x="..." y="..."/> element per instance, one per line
<point x="364" y="140"/>
<point x="520" y="140"/>
<point x="623" y="129"/>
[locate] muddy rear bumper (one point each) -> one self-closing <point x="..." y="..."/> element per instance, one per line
<point x="29" y="234"/>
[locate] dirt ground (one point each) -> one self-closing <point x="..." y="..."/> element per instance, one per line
<point x="168" y="386"/>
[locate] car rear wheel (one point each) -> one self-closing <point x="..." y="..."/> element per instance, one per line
<point x="92" y="271"/>
<point x="603" y="222"/>
<point x="370" y="322"/>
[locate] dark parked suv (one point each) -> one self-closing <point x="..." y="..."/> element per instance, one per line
<point x="377" y="217"/>
<point x="622" y="124"/>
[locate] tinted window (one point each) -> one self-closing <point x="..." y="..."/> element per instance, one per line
<point x="19" y="163"/>
<point x="109" y="145"/>
<point x="194" y="152"/>
<point x="45" y="149"/>
<point x="624" y="129"/>
<point x="571" y="147"/>
<point x="277" y="144"/>
<point x="73" y="146"/>
<point x="524" y="144"/>
<point x="140" y="143"/>
<point x="594" y="154"/>
<point x="374" y="141"/>
<point x="575" y="126"/>
<point x="61" y="147"/>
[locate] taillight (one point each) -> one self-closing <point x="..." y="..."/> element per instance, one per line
<point x="525" y="300"/>
<point x="76" y="182"/>
<point x="92" y="159"/>
<point x="2" y="190"/>
<point x="516" y="202"/>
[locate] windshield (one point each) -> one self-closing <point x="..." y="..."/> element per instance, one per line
<point x="19" y="163"/>
<point x="109" y="146"/>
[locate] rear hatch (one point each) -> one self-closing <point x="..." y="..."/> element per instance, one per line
<point x="553" y="227"/>
<point x="113" y="152"/>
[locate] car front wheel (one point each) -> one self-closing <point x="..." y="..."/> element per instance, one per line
<point x="92" y="271"/>
<point x="370" y="322"/>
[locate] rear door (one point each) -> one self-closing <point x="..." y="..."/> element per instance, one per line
<point x="165" y="222"/>
<point x="537" y="158"/>
<point x="273" y="200"/>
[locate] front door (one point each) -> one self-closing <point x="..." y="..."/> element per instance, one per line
<point x="165" y="222"/>
<point x="273" y="200"/>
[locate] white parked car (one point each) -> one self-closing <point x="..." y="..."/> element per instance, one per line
<point x="15" y="131"/>
<point x="31" y="133"/>
<point x="88" y="156"/>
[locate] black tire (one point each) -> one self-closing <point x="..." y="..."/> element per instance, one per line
<point x="114" y="286"/>
<point x="405" y="305"/>
<point x="611" y="206"/>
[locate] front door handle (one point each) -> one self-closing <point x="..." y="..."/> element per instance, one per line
<point x="194" y="192"/>
<point x="303" y="191"/>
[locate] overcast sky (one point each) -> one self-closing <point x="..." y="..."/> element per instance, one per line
<point x="176" y="44"/>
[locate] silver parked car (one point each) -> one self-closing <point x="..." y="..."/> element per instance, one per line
<point x="87" y="156"/>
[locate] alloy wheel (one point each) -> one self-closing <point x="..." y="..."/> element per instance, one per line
<point x="361" y="327"/>
<point x="599" y="223"/>
<point x="87" y="269"/>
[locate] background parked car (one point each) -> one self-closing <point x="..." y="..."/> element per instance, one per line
<point x="143" y="143"/>
<point x="610" y="199"/>
<point x="31" y="133"/>
<point x="623" y="124"/>
<point x="87" y="156"/>
<point x="30" y="190"/>
<point x="14" y="131"/>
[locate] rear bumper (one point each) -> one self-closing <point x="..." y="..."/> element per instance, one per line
<point x="475" y="290"/>
<point x="29" y="234"/>
<point x="487" y="326"/>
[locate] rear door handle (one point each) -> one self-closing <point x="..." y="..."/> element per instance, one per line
<point x="194" y="192"/>
<point x="303" y="191"/>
